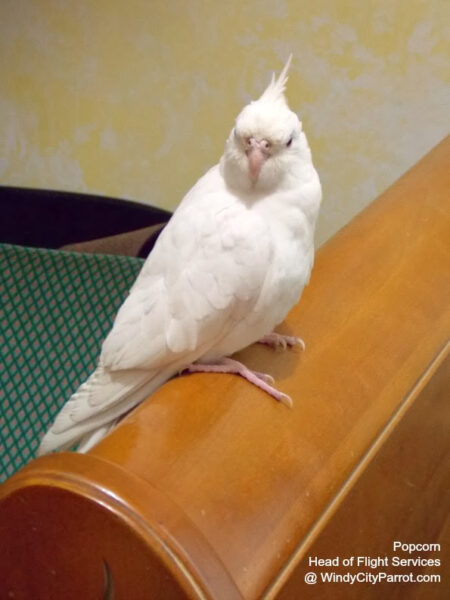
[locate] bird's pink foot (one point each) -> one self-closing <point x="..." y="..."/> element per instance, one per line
<point x="228" y="365"/>
<point x="277" y="340"/>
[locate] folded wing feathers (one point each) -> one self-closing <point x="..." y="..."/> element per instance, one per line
<point x="186" y="298"/>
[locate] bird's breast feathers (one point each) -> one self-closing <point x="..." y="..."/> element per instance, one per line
<point x="218" y="260"/>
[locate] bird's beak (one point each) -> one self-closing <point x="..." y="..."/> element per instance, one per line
<point x="257" y="155"/>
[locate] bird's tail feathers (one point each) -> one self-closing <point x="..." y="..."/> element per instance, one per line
<point x="89" y="440"/>
<point x="94" y="408"/>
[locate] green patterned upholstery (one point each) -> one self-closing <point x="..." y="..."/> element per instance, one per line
<point x="56" y="308"/>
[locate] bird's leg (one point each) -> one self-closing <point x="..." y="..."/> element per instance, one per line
<point x="229" y="365"/>
<point x="277" y="340"/>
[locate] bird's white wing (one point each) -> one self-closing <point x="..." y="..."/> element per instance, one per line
<point x="204" y="274"/>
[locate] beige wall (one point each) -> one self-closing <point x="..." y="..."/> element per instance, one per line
<point x="135" y="98"/>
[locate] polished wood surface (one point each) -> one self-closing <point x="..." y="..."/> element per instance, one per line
<point x="403" y="494"/>
<point x="219" y="490"/>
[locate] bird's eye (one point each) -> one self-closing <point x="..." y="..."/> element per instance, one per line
<point x="289" y="142"/>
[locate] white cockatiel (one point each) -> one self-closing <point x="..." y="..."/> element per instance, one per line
<point x="232" y="261"/>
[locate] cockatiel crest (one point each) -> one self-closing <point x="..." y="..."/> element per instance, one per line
<point x="274" y="92"/>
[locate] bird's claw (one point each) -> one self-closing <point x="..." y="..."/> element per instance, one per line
<point x="286" y="400"/>
<point x="265" y="377"/>
<point x="280" y="341"/>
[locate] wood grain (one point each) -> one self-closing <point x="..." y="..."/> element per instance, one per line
<point x="222" y="491"/>
<point x="402" y="494"/>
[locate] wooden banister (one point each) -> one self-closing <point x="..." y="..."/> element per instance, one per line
<point x="210" y="489"/>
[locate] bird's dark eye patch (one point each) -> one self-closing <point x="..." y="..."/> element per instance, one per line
<point x="289" y="142"/>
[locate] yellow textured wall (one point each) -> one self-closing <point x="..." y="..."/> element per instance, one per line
<point x="135" y="98"/>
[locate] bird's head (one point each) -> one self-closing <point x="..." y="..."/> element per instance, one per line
<point x="266" y="143"/>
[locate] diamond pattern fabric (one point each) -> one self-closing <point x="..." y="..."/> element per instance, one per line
<point x="56" y="308"/>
